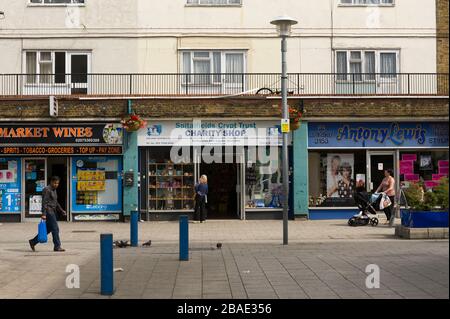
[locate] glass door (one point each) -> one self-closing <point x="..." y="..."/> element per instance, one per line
<point x="378" y="162"/>
<point x="35" y="180"/>
<point x="79" y="73"/>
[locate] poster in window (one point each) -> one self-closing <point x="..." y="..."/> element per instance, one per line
<point x="35" y="205"/>
<point x="340" y="175"/>
<point x="426" y="163"/>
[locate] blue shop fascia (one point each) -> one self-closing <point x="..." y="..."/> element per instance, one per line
<point x="88" y="158"/>
<point x="330" y="158"/>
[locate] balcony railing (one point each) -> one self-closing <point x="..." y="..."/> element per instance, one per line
<point x="224" y="84"/>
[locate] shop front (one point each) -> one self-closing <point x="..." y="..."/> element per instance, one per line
<point x="241" y="159"/>
<point x="86" y="157"/>
<point x="342" y="155"/>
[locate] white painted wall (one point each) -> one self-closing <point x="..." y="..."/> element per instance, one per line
<point x="133" y="36"/>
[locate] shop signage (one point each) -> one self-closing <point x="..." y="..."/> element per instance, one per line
<point x="72" y="133"/>
<point x="378" y="135"/>
<point x="60" y="150"/>
<point x="61" y="139"/>
<point x="211" y="133"/>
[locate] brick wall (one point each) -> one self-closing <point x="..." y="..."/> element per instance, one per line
<point x="236" y="108"/>
<point x="442" y="33"/>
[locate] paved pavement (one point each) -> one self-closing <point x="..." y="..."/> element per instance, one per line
<point x="324" y="259"/>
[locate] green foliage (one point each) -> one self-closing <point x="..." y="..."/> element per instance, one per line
<point x="414" y="195"/>
<point x="418" y="199"/>
<point x="441" y="192"/>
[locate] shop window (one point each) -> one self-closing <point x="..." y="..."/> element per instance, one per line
<point x="333" y="177"/>
<point x="97" y="184"/>
<point x="426" y="167"/>
<point x="10" y="185"/>
<point x="263" y="179"/>
<point x="170" y="185"/>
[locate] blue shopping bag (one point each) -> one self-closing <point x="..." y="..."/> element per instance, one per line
<point x="42" y="231"/>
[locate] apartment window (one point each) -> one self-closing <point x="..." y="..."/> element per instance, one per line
<point x="364" y="65"/>
<point x="214" y="2"/>
<point x="44" y="2"/>
<point x="367" y="2"/>
<point x="39" y="67"/>
<point x="208" y="67"/>
<point x="52" y="67"/>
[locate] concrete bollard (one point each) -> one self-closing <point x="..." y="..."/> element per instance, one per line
<point x="106" y="265"/>
<point x="184" y="238"/>
<point x="134" y="228"/>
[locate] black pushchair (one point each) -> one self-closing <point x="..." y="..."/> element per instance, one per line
<point x="368" y="205"/>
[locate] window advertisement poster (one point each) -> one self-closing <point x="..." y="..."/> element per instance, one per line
<point x="35" y="205"/>
<point x="340" y="175"/>
<point x="96" y="184"/>
<point x="10" y="185"/>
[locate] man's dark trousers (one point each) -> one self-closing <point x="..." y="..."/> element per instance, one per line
<point x="52" y="227"/>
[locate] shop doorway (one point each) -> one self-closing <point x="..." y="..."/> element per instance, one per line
<point x="223" y="190"/>
<point x="379" y="162"/>
<point x="57" y="166"/>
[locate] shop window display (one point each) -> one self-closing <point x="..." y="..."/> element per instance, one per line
<point x="171" y="185"/>
<point x="97" y="184"/>
<point x="10" y="182"/>
<point x="333" y="177"/>
<point x="263" y="180"/>
<point x="424" y="167"/>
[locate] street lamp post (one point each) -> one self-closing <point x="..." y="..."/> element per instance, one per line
<point x="284" y="24"/>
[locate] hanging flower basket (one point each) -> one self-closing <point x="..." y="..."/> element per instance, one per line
<point x="295" y="125"/>
<point x="133" y="123"/>
<point x="295" y="117"/>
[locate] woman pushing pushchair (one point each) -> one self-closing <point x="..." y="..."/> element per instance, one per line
<point x="369" y="205"/>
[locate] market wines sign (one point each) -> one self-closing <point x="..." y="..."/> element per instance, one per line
<point x="61" y="139"/>
<point x="46" y="134"/>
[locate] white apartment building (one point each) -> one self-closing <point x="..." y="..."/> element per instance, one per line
<point x="212" y="36"/>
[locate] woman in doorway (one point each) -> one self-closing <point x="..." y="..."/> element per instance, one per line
<point x="388" y="186"/>
<point x="201" y="193"/>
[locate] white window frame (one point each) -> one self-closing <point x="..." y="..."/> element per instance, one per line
<point x="378" y="53"/>
<point x="72" y="3"/>
<point x="355" y="4"/>
<point x="223" y="72"/>
<point x="198" y="3"/>
<point x="68" y="65"/>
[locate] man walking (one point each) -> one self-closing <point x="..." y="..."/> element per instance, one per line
<point x="50" y="207"/>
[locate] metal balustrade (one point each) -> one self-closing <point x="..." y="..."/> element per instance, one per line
<point x="224" y="84"/>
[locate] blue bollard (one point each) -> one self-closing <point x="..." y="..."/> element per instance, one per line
<point x="134" y="228"/>
<point x="106" y="265"/>
<point x="184" y="238"/>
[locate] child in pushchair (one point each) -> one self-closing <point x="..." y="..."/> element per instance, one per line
<point x="368" y="205"/>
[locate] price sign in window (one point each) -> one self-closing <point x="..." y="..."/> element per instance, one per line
<point x="10" y="185"/>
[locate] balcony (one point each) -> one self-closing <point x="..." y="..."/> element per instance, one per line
<point x="222" y="85"/>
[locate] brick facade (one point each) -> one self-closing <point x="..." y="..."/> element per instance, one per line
<point x="442" y="39"/>
<point x="228" y="108"/>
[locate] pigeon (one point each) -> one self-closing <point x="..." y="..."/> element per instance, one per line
<point x="219" y="245"/>
<point x="121" y="243"/>
<point x="147" y="244"/>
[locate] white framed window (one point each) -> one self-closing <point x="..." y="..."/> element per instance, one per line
<point x="367" y="2"/>
<point x="56" y="2"/>
<point x="214" y="2"/>
<point x="363" y="65"/>
<point x="52" y="67"/>
<point x="213" y="67"/>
